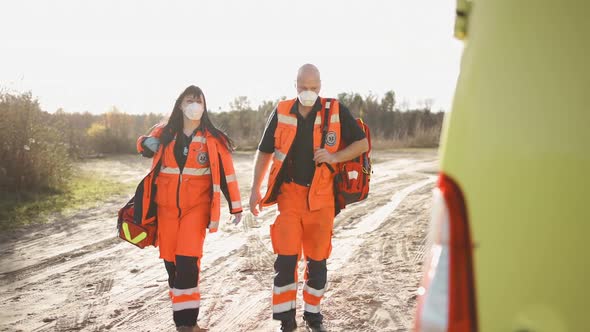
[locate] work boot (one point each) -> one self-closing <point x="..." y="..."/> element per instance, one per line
<point x="289" y="325"/>
<point x="315" y="325"/>
<point x="195" y="328"/>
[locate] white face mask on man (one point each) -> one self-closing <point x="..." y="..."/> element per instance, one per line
<point x="307" y="97"/>
<point x="193" y="111"/>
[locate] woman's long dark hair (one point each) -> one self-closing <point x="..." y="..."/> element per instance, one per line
<point x="175" y="122"/>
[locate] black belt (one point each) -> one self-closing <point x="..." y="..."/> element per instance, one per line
<point x="289" y="180"/>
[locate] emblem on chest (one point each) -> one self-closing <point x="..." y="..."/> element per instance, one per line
<point x="203" y="158"/>
<point x="331" y="138"/>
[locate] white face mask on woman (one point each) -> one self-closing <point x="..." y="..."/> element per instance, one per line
<point x="193" y="111"/>
<point x="307" y="98"/>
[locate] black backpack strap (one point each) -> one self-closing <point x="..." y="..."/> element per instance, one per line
<point x="325" y="124"/>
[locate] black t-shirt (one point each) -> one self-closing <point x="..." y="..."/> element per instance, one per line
<point x="181" y="147"/>
<point x="300" y="166"/>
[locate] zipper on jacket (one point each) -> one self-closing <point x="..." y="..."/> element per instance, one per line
<point x="178" y="194"/>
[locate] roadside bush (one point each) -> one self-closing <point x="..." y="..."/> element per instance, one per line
<point x="33" y="155"/>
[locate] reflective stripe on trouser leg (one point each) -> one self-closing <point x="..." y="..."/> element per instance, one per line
<point x="185" y="291"/>
<point x="315" y="285"/>
<point x="284" y="293"/>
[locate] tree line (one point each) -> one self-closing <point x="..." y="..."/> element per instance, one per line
<point x="37" y="147"/>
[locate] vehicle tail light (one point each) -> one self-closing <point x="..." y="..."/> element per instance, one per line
<point x="446" y="298"/>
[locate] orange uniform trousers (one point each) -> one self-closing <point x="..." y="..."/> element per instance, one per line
<point x="180" y="240"/>
<point x="297" y="231"/>
<point x="184" y="235"/>
<point x="297" y="228"/>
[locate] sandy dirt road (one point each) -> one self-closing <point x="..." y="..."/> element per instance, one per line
<point x="74" y="274"/>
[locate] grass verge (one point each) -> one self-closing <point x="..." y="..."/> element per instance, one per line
<point x="83" y="191"/>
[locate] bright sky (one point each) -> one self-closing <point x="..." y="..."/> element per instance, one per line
<point x="140" y="55"/>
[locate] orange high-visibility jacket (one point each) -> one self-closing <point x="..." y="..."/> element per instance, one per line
<point x="207" y="157"/>
<point x="321" y="193"/>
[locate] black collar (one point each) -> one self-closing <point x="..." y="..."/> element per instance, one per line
<point x="199" y="128"/>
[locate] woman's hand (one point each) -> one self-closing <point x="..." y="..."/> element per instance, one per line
<point x="237" y="218"/>
<point x="151" y="143"/>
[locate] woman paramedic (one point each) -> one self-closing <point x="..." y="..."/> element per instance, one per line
<point x="196" y="167"/>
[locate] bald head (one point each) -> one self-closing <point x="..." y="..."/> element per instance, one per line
<point x="308" y="78"/>
<point x="308" y="71"/>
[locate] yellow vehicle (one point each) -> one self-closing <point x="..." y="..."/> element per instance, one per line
<point x="511" y="213"/>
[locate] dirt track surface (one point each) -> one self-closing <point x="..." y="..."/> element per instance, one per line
<point x="74" y="274"/>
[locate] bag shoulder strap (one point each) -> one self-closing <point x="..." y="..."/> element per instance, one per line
<point x="326" y="123"/>
<point x="159" y="163"/>
<point x="164" y="143"/>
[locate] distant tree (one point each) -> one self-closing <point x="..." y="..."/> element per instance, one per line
<point x="388" y="101"/>
<point x="266" y="107"/>
<point x="100" y="138"/>
<point x="240" y="103"/>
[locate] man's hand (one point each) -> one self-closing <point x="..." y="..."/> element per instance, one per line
<point x="255" y="199"/>
<point x="323" y="156"/>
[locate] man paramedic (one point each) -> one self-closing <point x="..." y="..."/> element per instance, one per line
<point x="301" y="183"/>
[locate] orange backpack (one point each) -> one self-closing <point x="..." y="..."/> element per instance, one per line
<point x="351" y="182"/>
<point x="132" y="231"/>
